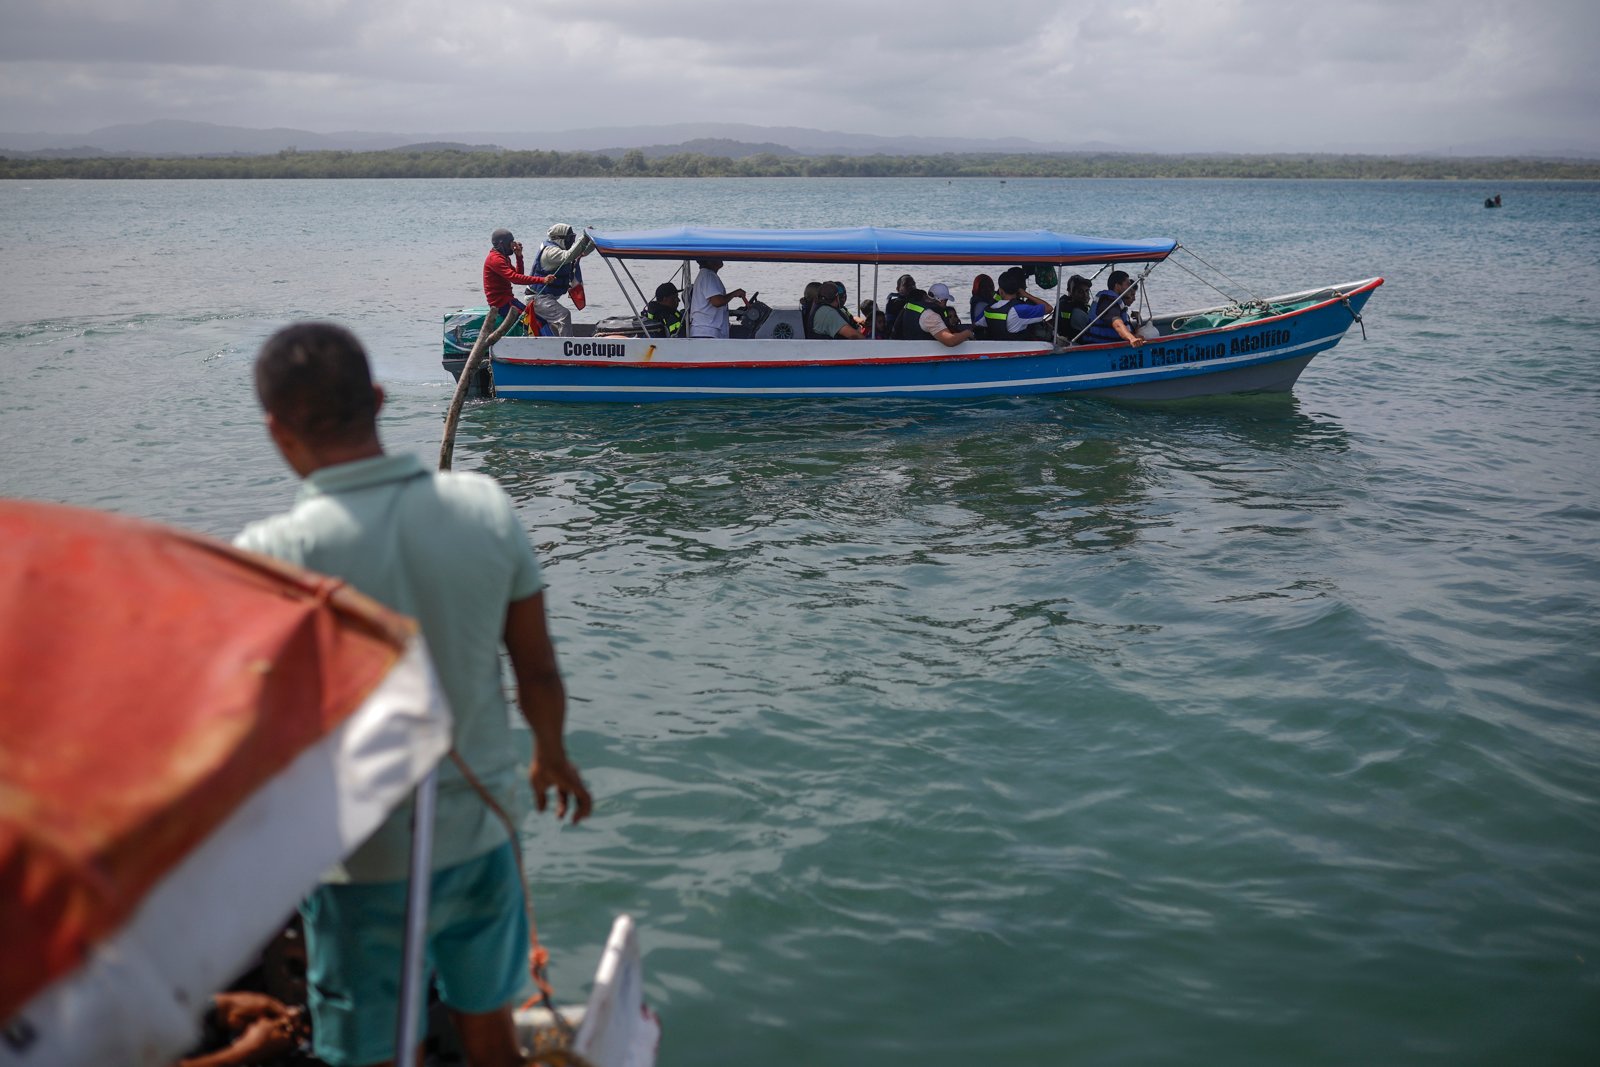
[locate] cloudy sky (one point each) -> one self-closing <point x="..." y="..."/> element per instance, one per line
<point x="1353" y="75"/>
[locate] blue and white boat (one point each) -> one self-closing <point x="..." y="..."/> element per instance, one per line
<point x="1244" y="346"/>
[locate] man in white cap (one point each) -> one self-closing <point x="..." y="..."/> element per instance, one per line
<point x="935" y="323"/>
<point x="558" y="257"/>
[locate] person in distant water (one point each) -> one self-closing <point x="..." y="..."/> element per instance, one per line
<point x="1074" y="311"/>
<point x="662" y="316"/>
<point x="558" y="258"/>
<point x="449" y="550"/>
<point x="1111" y="323"/>
<point x="1016" y="313"/>
<point x="904" y="289"/>
<point x="938" y="320"/>
<point x="708" y="301"/>
<point x="982" y="297"/>
<point x="500" y="274"/>
<point x="829" y="320"/>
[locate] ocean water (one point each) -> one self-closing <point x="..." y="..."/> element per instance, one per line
<point x="1043" y="731"/>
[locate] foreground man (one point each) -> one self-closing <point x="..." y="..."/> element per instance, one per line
<point x="448" y="550"/>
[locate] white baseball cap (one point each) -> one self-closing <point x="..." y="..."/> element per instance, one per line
<point x="939" y="291"/>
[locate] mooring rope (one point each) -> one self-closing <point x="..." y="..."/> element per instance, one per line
<point x="1225" y="278"/>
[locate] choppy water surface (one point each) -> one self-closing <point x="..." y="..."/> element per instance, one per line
<point x="1012" y="732"/>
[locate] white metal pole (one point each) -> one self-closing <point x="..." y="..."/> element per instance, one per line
<point x="416" y="935"/>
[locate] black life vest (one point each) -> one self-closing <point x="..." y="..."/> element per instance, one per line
<point x="908" y="326"/>
<point x="661" y="321"/>
<point x="994" y="320"/>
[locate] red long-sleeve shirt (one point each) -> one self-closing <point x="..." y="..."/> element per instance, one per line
<point x="499" y="277"/>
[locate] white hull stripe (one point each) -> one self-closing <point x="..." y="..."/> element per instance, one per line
<point x="1105" y="378"/>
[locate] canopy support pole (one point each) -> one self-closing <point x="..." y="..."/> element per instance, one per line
<point x="1139" y="281"/>
<point x="877" y="302"/>
<point x="638" y="314"/>
<point x="1055" y="310"/>
<point x="688" y="305"/>
<point x="412" y="980"/>
<point x="859" y="298"/>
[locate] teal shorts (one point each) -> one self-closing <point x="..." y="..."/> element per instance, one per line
<point x="477" y="953"/>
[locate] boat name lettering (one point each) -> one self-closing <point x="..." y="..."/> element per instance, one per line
<point x="1170" y="355"/>
<point x="1255" y="342"/>
<point x="604" y="349"/>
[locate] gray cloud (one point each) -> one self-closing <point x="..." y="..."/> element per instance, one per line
<point x="1158" y="75"/>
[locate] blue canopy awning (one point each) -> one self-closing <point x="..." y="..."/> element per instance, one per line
<point x="869" y="244"/>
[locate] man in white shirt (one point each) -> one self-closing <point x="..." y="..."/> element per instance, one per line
<point x="708" y="301"/>
<point x="935" y="324"/>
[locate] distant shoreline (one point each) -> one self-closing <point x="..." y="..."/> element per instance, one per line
<point x="634" y="164"/>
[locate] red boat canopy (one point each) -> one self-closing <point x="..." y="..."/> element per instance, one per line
<point x="150" y="680"/>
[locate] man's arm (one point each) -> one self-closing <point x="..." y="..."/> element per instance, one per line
<point x="1124" y="332"/>
<point x="721" y="299"/>
<point x="935" y="325"/>
<point x="542" y="699"/>
<point x="553" y="258"/>
<point x="502" y="267"/>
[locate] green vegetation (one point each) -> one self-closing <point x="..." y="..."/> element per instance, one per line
<point x="454" y="163"/>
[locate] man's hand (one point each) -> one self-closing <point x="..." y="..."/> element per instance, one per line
<point x="236" y="1011"/>
<point x="516" y="246"/>
<point x="264" y="1029"/>
<point x="560" y="775"/>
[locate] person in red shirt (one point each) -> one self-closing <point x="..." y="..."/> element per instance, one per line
<point x="499" y="275"/>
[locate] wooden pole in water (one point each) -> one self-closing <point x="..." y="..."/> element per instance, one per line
<point x="480" y="347"/>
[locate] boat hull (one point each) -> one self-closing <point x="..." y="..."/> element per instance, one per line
<point x="1259" y="355"/>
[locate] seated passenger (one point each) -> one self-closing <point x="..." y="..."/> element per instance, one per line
<point x="1017" y="313"/>
<point x="1074" y="311"/>
<point x="939" y="321"/>
<point x="828" y="320"/>
<point x="903" y="289"/>
<point x="662" y="316"/>
<point x="1111" y="324"/>
<point x="808" y="307"/>
<point x="844" y="308"/>
<point x="982" y="297"/>
<point x="877" y="321"/>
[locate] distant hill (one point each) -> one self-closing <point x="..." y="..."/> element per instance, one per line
<point x="174" y="138"/>
<point x="705" y="146"/>
<point x="170" y="138"/>
<point x="444" y="146"/>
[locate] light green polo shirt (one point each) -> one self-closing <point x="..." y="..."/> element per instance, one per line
<point x="446" y="549"/>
